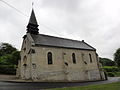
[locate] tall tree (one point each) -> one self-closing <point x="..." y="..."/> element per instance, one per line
<point x="106" y="62"/>
<point x="9" y="55"/>
<point x="117" y="57"/>
<point x="6" y="48"/>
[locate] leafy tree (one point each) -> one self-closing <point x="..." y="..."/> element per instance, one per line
<point x="107" y="62"/>
<point x="8" y="54"/>
<point x="9" y="57"/>
<point x="15" y="57"/>
<point x="6" y="48"/>
<point x="6" y="59"/>
<point x="117" y="57"/>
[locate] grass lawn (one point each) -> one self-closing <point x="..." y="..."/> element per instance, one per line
<point x="109" y="66"/>
<point x="112" y="86"/>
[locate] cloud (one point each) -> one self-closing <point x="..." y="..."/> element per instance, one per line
<point x="95" y="21"/>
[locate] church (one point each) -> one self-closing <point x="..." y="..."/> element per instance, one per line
<point x="48" y="58"/>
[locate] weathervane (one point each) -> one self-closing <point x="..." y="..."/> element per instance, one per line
<point x="32" y="4"/>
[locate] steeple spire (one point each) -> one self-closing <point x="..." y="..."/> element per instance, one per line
<point x="32" y="26"/>
<point x="32" y="19"/>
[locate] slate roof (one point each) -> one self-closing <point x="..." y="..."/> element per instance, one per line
<point x="45" y="40"/>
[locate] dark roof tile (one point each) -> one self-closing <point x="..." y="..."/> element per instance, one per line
<point x="46" y="40"/>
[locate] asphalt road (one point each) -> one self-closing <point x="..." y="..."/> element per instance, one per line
<point x="39" y="86"/>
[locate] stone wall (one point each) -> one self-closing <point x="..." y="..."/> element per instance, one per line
<point x="58" y="71"/>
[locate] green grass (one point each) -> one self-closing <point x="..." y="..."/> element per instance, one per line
<point x="112" y="86"/>
<point x="109" y="66"/>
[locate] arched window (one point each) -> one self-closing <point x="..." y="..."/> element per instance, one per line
<point x="73" y="58"/>
<point x="90" y="58"/>
<point x="49" y="56"/>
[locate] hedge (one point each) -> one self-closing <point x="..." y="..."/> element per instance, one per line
<point x="112" y="69"/>
<point x="111" y="74"/>
<point x="7" y="69"/>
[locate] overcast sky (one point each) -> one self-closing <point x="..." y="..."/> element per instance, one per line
<point x="95" y="21"/>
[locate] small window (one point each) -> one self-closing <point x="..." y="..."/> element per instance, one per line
<point x="49" y="56"/>
<point x="32" y="50"/>
<point x="34" y="65"/>
<point x="74" y="58"/>
<point x="24" y="49"/>
<point x="90" y="58"/>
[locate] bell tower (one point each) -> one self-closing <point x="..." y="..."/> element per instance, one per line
<point x="32" y="26"/>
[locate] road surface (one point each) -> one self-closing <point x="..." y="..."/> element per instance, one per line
<point x="39" y="86"/>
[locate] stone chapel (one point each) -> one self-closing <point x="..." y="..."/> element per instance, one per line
<point x="54" y="59"/>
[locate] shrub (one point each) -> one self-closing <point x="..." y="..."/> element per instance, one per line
<point x="117" y="74"/>
<point x="7" y="69"/>
<point x="111" y="69"/>
<point x="110" y="74"/>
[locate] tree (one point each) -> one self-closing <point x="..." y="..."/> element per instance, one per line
<point x="6" y="48"/>
<point x="6" y="59"/>
<point x="15" y="57"/>
<point x="9" y="55"/>
<point x="117" y="57"/>
<point x="107" y="62"/>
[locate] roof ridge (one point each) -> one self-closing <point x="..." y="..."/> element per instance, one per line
<point x="60" y="37"/>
